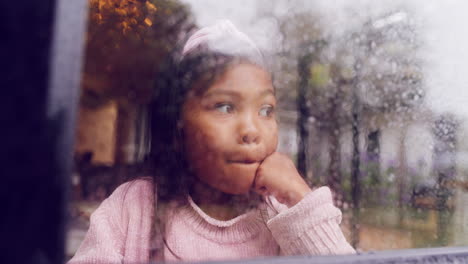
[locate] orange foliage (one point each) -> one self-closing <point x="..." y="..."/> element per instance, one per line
<point x="126" y="40"/>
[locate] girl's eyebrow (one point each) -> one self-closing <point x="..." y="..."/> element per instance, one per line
<point x="222" y="92"/>
<point x="236" y="94"/>
<point x="267" y="92"/>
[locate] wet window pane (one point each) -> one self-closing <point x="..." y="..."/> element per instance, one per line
<point x="365" y="98"/>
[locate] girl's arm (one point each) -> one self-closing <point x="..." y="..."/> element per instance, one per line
<point x="308" y="222"/>
<point x="311" y="227"/>
<point x="120" y="228"/>
<point x="105" y="238"/>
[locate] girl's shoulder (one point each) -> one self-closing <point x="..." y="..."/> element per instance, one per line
<point x="137" y="191"/>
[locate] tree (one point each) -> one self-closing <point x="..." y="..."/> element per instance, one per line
<point x="445" y="130"/>
<point x="301" y="44"/>
<point x="388" y="80"/>
<point x="307" y="79"/>
<point x="126" y="41"/>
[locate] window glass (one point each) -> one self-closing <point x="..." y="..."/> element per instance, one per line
<point x="369" y="100"/>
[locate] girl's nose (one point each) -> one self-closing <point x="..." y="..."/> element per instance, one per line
<point x="250" y="138"/>
<point x="248" y="130"/>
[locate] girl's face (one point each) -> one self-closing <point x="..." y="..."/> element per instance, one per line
<point x="230" y="128"/>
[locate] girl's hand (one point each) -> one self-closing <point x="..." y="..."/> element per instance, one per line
<point x="278" y="176"/>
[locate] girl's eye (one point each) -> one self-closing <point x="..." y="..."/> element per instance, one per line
<point x="266" y="111"/>
<point x="224" y="108"/>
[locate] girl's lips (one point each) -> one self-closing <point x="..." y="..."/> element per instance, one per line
<point x="246" y="157"/>
<point x="247" y="161"/>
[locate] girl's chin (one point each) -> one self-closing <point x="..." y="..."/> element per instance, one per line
<point x="235" y="185"/>
<point x="235" y="180"/>
<point x="238" y="188"/>
<point x="239" y="191"/>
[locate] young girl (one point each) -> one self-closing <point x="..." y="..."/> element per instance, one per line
<point x="220" y="190"/>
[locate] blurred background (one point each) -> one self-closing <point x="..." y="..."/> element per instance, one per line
<point x="373" y="103"/>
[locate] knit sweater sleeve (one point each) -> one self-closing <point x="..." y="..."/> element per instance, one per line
<point x="104" y="241"/>
<point x="311" y="227"/>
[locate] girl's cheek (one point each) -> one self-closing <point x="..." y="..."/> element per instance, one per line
<point x="272" y="143"/>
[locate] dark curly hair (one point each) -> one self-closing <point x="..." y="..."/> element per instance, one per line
<point x="169" y="165"/>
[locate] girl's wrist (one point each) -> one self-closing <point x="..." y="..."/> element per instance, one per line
<point x="297" y="196"/>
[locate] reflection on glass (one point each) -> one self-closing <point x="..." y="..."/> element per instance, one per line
<point x="368" y="102"/>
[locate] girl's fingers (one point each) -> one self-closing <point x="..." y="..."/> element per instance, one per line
<point x="259" y="186"/>
<point x="256" y="181"/>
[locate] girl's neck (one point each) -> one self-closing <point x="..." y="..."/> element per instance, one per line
<point x="220" y="205"/>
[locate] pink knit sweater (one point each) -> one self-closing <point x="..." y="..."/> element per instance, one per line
<point x="121" y="226"/>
